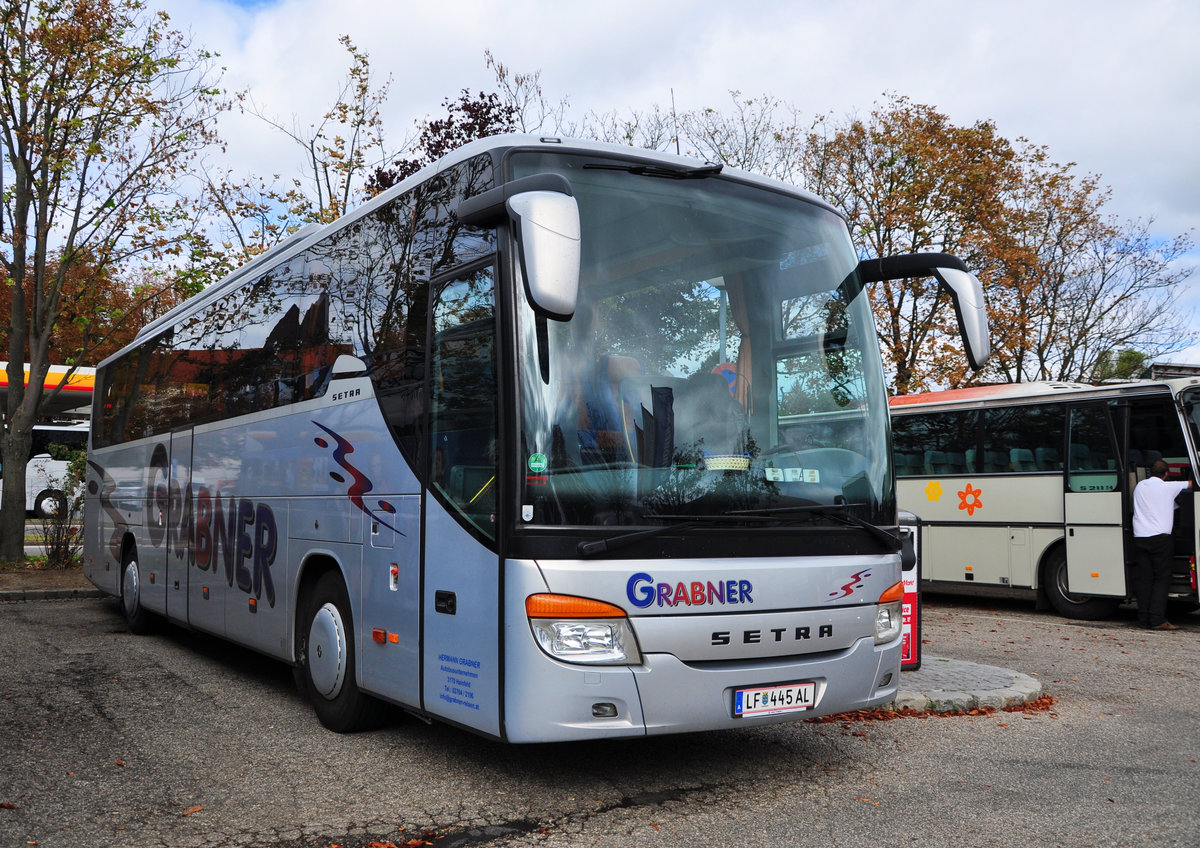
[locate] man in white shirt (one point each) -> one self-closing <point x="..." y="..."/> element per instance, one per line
<point x="1153" y="520"/>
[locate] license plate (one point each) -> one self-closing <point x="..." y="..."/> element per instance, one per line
<point x="770" y="700"/>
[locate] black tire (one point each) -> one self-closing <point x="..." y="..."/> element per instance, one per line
<point x="325" y="666"/>
<point x="136" y="617"/>
<point x="1080" y="607"/>
<point x="49" y="503"/>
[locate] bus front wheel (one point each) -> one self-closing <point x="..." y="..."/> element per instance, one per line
<point x="1080" y="607"/>
<point x="325" y="670"/>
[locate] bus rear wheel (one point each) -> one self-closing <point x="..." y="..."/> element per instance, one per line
<point x="136" y="617"/>
<point x="1080" y="607"/>
<point x="325" y="668"/>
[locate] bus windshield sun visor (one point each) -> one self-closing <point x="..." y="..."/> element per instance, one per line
<point x="489" y="207"/>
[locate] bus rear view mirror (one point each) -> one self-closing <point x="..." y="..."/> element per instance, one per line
<point x="545" y="219"/>
<point x="967" y="294"/>
<point x="964" y="289"/>
<point x="547" y="225"/>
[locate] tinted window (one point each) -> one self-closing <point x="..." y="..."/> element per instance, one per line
<point x="1022" y="439"/>
<point x="42" y="438"/>
<point x="272" y="341"/>
<point x="997" y="440"/>
<point x="934" y="444"/>
<point x="1155" y="433"/>
<point x="463" y="388"/>
<point x="1091" y="464"/>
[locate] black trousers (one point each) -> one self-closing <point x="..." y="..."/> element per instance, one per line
<point x="1154" y="559"/>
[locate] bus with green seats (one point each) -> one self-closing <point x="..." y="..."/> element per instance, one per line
<point x="1027" y="488"/>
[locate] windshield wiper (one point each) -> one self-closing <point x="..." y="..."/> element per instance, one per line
<point x="682" y="522"/>
<point x="696" y="172"/>
<point x="838" y="512"/>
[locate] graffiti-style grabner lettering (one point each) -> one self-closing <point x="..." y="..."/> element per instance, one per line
<point x="237" y="534"/>
<point x="242" y="537"/>
<point x="157" y="500"/>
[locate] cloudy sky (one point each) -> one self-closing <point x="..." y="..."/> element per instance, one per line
<point x="1110" y="85"/>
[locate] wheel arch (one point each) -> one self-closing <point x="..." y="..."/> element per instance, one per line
<point x="58" y="496"/>
<point x="128" y="544"/>
<point x="1048" y="554"/>
<point x="312" y="568"/>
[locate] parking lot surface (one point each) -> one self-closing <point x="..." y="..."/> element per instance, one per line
<point x="179" y="740"/>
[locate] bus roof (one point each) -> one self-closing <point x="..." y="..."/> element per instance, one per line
<point x="1035" y="391"/>
<point x="496" y="145"/>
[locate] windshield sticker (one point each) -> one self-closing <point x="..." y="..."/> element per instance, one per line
<point x="538" y="463"/>
<point x="792" y="475"/>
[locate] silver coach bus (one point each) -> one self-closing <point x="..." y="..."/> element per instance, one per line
<point x="554" y="440"/>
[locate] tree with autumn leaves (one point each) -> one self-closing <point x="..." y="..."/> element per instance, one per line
<point x="1068" y="287"/>
<point x="103" y="110"/>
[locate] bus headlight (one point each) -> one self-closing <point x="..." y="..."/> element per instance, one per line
<point x="581" y="630"/>
<point x="889" y="614"/>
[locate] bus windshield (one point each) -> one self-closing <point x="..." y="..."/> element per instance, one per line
<point x="722" y="358"/>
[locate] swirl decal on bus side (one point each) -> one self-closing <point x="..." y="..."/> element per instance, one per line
<point x="104" y="489"/>
<point x="856" y="582"/>
<point x="361" y="484"/>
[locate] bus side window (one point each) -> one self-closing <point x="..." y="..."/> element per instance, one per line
<point x="1017" y="439"/>
<point x="934" y="444"/>
<point x="1090" y="463"/>
<point x="1047" y="459"/>
<point x="463" y="393"/>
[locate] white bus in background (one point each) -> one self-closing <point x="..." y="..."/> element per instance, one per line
<point x="45" y="476"/>
<point x="554" y="440"/>
<point x="1028" y="487"/>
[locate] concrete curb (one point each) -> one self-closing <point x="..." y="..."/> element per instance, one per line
<point x="945" y="685"/>
<point x="17" y="595"/>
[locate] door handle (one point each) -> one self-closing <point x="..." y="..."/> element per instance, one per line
<point x="445" y="602"/>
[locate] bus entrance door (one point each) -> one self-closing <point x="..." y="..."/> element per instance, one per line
<point x="1093" y="505"/>
<point x="179" y="535"/>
